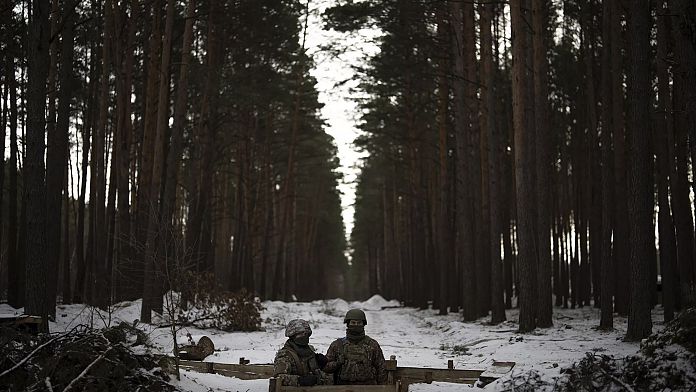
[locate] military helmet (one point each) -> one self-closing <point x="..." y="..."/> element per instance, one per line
<point x="296" y="327"/>
<point x="355" y="314"/>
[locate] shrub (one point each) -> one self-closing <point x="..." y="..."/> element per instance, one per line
<point x="206" y="305"/>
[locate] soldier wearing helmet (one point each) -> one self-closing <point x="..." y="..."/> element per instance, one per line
<point x="356" y="359"/>
<point x="296" y="363"/>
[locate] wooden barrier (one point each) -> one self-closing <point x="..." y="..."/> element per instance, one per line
<point x="274" y="386"/>
<point x="398" y="378"/>
<point x="23" y="322"/>
<point x="243" y="372"/>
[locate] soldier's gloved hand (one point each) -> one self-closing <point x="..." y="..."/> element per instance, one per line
<point x="308" y="380"/>
<point x="321" y="360"/>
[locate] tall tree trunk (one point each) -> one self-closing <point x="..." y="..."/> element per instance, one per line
<point x="124" y="287"/>
<point x="607" y="270"/>
<point x="54" y="170"/>
<point x="543" y="164"/>
<point x="592" y="182"/>
<point x="3" y="125"/>
<point x="684" y="73"/>
<point x="494" y="171"/>
<point x="621" y="245"/>
<point x="80" y="282"/>
<point x="464" y="203"/>
<point x="639" y="206"/>
<point x="524" y="139"/>
<point x="16" y="267"/>
<point x="477" y="166"/>
<point x="154" y="259"/>
<point x="34" y="169"/>
<point x="180" y="108"/>
<point x="58" y="147"/>
<point x="442" y="227"/>
<point x="98" y="256"/>
<point x="67" y="271"/>
<point x="147" y="155"/>
<point x="284" y="261"/>
<point x="197" y="227"/>
<point x="664" y="138"/>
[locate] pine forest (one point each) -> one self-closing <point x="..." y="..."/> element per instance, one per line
<point x="528" y="154"/>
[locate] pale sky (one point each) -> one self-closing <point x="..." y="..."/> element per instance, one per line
<point x="340" y="110"/>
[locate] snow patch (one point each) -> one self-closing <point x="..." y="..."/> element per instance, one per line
<point x="377" y="302"/>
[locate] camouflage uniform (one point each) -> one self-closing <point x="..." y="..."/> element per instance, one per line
<point x="356" y="362"/>
<point x="289" y="365"/>
<point x="293" y="360"/>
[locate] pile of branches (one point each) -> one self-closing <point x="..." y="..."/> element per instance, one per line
<point x="206" y="305"/>
<point x="530" y="381"/>
<point x="82" y="359"/>
<point x="666" y="361"/>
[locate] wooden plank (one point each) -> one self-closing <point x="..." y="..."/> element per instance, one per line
<point x="445" y="375"/>
<point x="244" y="372"/>
<point x="468" y="381"/>
<point x="495" y="371"/>
<point x="342" y="388"/>
<point x="22" y="322"/>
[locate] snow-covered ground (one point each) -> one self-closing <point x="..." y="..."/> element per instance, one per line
<point x="415" y="337"/>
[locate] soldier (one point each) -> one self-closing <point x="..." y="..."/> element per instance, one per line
<point x="296" y="364"/>
<point x="356" y="359"/>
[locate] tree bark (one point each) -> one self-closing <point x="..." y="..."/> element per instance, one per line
<point x="488" y="99"/>
<point x="663" y="139"/>
<point x="476" y="164"/>
<point x="621" y="246"/>
<point x="543" y="164"/>
<point x="639" y="206"/>
<point x="154" y="260"/>
<point x="124" y="287"/>
<point x="442" y="227"/>
<point x="463" y="202"/>
<point x="37" y="303"/>
<point x="54" y="169"/>
<point x="60" y="140"/>
<point x="607" y="293"/>
<point x="80" y="282"/>
<point x="527" y="258"/>
<point x="3" y="125"/>
<point x="16" y="266"/>
<point x="147" y="154"/>
<point x="198" y="224"/>
<point x="684" y="73"/>
<point x="98" y="231"/>
<point x="180" y="109"/>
